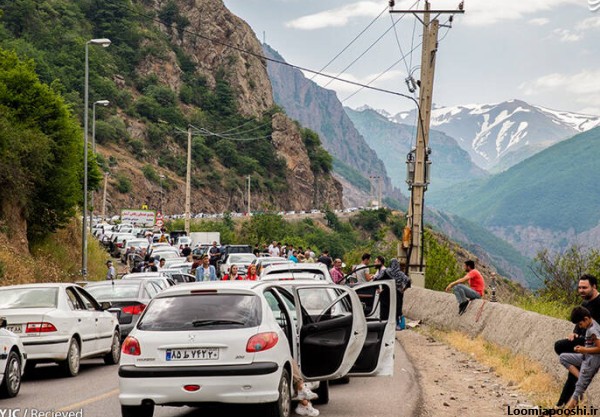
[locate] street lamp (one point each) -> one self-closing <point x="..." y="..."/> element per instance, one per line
<point x="104" y="43"/>
<point x="162" y="177"/>
<point x="102" y="103"/>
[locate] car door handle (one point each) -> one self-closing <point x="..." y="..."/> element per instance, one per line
<point x="356" y="333"/>
<point x="96" y="318"/>
<point x="313" y="327"/>
<point x="79" y="320"/>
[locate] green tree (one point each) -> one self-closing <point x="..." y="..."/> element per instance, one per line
<point x="40" y="150"/>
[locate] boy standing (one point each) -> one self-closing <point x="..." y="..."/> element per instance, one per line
<point x="586" y="361"/>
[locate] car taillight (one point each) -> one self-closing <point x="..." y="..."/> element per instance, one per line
<point x="262" y="341"/>
<point x="40" y="327"/>
<point x="131" y="346"/>
<point x="135" y="310"/>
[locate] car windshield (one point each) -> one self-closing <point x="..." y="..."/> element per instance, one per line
<point x="202" y="312"/>
<point x="241" y="258"/>
<point x="28" y="297"/>
<point x="113" y="292"/>
<point x="288" y="275"/>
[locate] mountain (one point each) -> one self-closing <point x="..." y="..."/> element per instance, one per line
<point x="498" y="136"/>
<point x="174" y="64"/>
<point x="320" y="110"/>
<point x="550" y="200"/>
<point x="392" y="142"/>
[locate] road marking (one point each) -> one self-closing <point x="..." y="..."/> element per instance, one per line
<point x="80" y="404"/>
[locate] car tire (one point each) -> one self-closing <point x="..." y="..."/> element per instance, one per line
<point x="11" y="384"/>
<point x="283" y="406"/>
<point x="322" y="392"/>
<point x="144" y="410"/>
<point x="70" y="366"/>
<point x="113" y="357"/>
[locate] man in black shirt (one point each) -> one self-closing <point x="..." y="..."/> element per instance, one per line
<point x="215" y="254"/>
<point x="326" y="259"/>
<point x="588" y="291"/>
<point x="186" y="251"/>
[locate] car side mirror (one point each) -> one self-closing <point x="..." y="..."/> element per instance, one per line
<point x="3" y="323"/>
<point x="105" y="305"/>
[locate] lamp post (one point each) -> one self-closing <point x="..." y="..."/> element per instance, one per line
<point x="104" y="43"/>
<point x="162" y="177"/>
<point x="102" y="103"/>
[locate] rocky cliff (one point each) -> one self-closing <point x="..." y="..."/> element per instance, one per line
<point x="194" y="50"/>
<point x="320" y="110"/>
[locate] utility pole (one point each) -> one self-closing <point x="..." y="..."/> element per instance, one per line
<point x="104" y="196"/>
<point x="248" y="209"/>
<point x="416" y="267"/>
<point x="188" y="182"/>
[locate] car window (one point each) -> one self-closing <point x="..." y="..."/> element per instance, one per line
<point x="89" y="301"/>
<point x="28" y="297"/>
<point x="114" y="292"/>
<point x="202" y="312"/>
<point x="151" y="289"/>
<point x="325" y="303"/>
<point x="73" y="300"/>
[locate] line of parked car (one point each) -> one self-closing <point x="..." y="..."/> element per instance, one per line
<point x="180" y="342"/>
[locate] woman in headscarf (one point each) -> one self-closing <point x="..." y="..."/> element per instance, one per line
<point x="394" y="272"/>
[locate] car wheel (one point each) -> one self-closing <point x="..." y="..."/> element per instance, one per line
<point x="283" y="406"/>
<point x="322" y="392"/>
<point x="12" y="376"/>
<point x="144" y="410"/>
<point x="112" y="357"/>
<point x="70" y="366"/>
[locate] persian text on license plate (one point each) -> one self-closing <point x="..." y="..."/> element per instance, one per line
<point x="192" y="354"/>
<point x="17" y="328"/>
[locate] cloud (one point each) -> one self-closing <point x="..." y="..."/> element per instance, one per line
<point x="540" y="21"/>
<point x="478" y="13"/>
<point x="336" y="17"/>
<point x="590" y="23"/>
<point x="565" y="35"/>
<point x="584" y="86"/>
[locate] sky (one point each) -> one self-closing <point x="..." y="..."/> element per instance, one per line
<point x="545" y="52"/>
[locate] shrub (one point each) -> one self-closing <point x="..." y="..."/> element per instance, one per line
<point x="150" y="174"/>
<point x="124" y="185"/>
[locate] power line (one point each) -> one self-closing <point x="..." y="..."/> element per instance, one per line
<point x="403" y="58"/>
<point x="364" y="53"/>
<point x="400" y="46"/>
<point x="351" y="42"/>
<point x="262" y="57"/>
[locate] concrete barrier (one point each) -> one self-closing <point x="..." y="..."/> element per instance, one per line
<point x="523" y="332"/>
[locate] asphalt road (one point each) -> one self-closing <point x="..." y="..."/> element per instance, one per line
<point x="95" y="391"/>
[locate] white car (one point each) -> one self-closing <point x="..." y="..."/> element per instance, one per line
<point x="235" y="342"/>
<point x="12" y="362"/>
<point x="60" y="323"/>
<point x="242" y="260"/>
<point x="162" y="280"/>
<point x="315" y="271"/>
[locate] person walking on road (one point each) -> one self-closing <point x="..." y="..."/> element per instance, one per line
<point x="206" y="272"/>
<point x="215" y="254"/>
<point x="588" y="291"/>
<point x="395" y="273"/>
<point x="111" y="273"/>
<point x="464" y="293"/>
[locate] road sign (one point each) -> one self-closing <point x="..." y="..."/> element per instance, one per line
<point x="144" y="218"/>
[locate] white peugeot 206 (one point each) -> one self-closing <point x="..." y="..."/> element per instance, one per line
<point x="235" y="342"/>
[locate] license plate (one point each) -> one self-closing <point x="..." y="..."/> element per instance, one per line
<point x="15" y="328"/>
<point x="192" y="354"/>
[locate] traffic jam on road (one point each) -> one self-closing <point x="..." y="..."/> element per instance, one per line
<point x="192" y="322"/>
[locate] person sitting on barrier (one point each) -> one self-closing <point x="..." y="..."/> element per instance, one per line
<point x="588" y="291"/>
<point x="585" y="362"/>
<point x="464" y="293"/>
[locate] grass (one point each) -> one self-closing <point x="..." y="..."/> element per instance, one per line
<point x="57" y="259"/>
<point x="544" y="306"/>
<point x="525" y="373"/>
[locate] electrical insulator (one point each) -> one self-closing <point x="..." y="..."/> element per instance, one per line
<point x="392" y="3"/>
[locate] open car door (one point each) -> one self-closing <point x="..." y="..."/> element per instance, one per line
<point x="378" y="301"/>
<point x="332" y="329"/>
